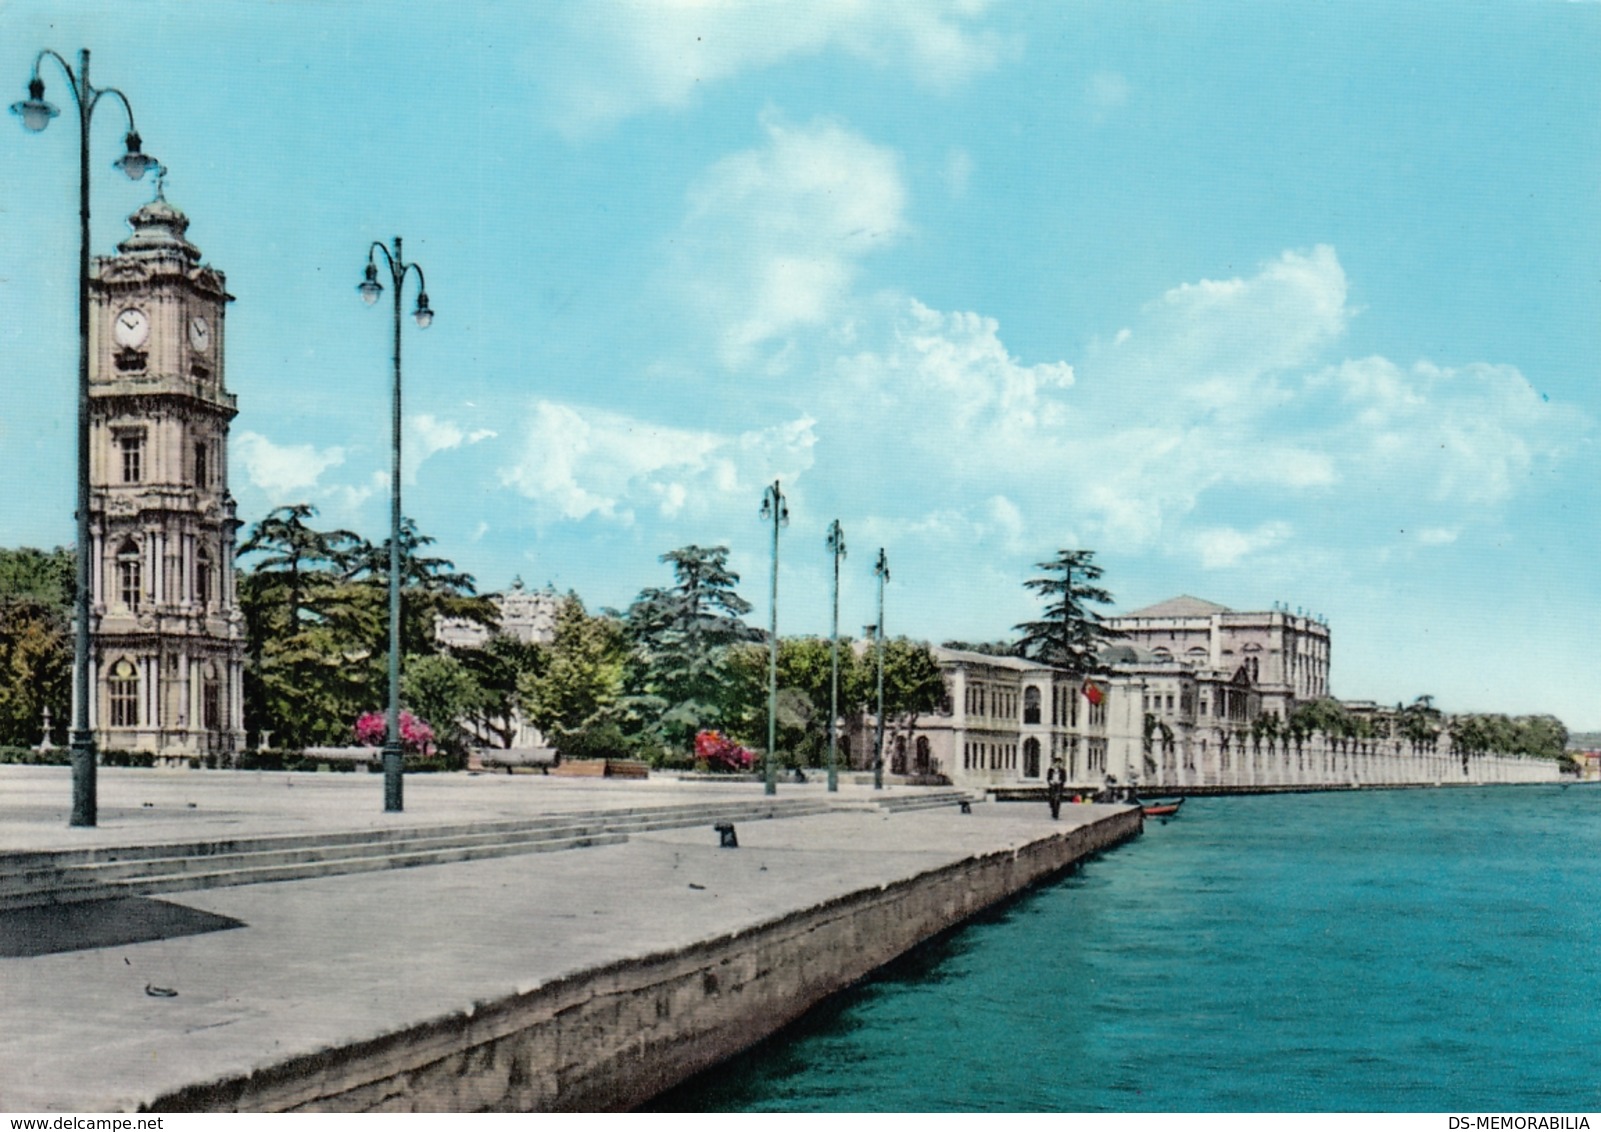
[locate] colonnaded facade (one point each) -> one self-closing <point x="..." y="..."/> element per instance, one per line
<point x="1205" y="707"/>
<point x="167" y="636"/>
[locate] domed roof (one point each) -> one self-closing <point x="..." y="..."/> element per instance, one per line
<point x="158" y="229"/>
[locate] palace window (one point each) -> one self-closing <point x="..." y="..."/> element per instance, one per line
<point x="132" y="445"/>
<point x="210" y="701"/>
<point x="1031" y="705"/>
<point x="203" y="579"/>
<point x="124" y="688"/>
<point x="130" y="576"/>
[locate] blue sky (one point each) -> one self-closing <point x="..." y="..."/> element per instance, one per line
<point x="1260" y="301"/>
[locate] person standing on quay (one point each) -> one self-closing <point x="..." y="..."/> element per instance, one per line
<point x="1055" y="782"/>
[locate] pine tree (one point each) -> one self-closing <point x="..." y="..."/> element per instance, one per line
<point x="1070" y="634"/>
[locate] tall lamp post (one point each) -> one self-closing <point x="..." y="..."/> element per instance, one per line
<point x="36" y="113"/>
<point x="776" y="508"/>
<point x="880" y="568"/>
<point x="370" y="289"/>
<point x="836" y="547"/>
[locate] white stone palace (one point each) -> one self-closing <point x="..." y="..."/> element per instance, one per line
<point x="1194" y="695"/>
<point x="167" y="637"/>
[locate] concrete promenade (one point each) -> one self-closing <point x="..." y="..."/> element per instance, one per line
<point x="585" y="978"/>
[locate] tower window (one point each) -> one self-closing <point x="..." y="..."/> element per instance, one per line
<point x="133" y="450"/>
<point x="202" y="466"/>
<point x="210" y="701"/>
<point x="124" y="687"/>
<point x="203" y="579"/>
<point x="130" y="576"/>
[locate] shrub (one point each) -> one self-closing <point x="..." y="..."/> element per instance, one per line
<point x="720" y="753"/>
<point x="416" y="737"/>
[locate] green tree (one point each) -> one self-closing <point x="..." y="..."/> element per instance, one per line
<point x="679" y="678"/>
<point x="447" y="694"/>
<point x="1070" y="634"/>
<point x="35" y="668"/>
<point x="431" y="588"/>
<point x="316" y="613"/>
<point x="1420" y="724"/>
<point x="36" y="595"/>
<point x="580" y="678"/>
<point x="1326" y="715"/>
<point x="499" y="666"/>
<point x="48" y="577"/>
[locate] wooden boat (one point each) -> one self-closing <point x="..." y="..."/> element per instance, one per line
<point x="1162" y="808"/>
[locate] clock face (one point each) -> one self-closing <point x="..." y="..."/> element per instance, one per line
<point x="199" y="333"/>
<point x="131" y="327"/>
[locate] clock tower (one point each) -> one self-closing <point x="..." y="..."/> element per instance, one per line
<point x="167" y="636"/>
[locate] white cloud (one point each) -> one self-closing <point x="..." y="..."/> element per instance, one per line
<point x="282" y="469"/>
<point x="1214" y="347"/>
<point x="1221" y="547"/>
<point x="1467" y="437"/>
<point x="773" y="235"/>
<point x="426" y="435"/>
<point x="579" y="462"/>
<point x="663" y="52"/>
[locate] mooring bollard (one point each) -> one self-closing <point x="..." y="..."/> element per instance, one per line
<point x="725" y="830"/>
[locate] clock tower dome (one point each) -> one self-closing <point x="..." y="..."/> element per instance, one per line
<point x="167" y="635"/>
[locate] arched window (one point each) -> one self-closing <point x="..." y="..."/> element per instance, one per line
<point x="1031" y="704"/>
<point x="1031" y="758"/>
<point x="922" y="754"/>
<point x="130" y="576"/>
<point x="898" y="758"/>
<point x="123" y="684"/>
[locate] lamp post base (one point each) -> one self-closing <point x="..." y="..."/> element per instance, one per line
<point x="85" y="804"/>
<point x="393" y="761"/>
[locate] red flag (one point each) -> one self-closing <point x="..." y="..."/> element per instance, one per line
<point x="1093" y="693"/>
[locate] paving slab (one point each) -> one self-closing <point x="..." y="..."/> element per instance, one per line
<point x="320" y="964"/>
<point x="144" y="806"/>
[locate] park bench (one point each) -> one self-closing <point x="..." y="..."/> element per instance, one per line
<point x="510" y="758"/>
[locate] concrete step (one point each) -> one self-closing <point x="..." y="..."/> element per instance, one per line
<point x="77" y="875"/>
<point x="81" y="890"/>
<point x="902" y="803"/>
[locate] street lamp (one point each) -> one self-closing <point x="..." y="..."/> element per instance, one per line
<point x="370" y="289"/>
<point x="880" y="568"/>
<point x="836" y="547"/>
<point x="776" y="508"/>
<point x="36" y="114"/>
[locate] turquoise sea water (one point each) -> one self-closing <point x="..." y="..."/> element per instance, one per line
<point x="1434" y="950"/>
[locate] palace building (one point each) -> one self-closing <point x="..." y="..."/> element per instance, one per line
<point x="1286" y="655"/>
<point x="167" y="637"/>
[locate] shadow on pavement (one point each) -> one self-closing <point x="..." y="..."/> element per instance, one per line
<point x="53" y="929"/>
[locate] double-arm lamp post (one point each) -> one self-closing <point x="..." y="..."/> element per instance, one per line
<point x="370" y="289"/>
<point x="776" y="508"/>
<point x="36" y="113"/>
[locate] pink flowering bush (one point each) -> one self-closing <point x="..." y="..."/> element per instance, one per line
<point x="718" y="752"/>
<point x="372" y="728"/>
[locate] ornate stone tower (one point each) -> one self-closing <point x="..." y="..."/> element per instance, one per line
<point x="168" y="639"/>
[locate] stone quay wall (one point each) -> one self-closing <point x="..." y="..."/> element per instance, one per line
<point x="614" y="1037"/>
